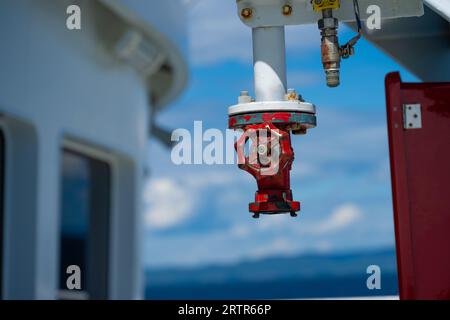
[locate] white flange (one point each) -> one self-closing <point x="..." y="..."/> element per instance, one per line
<point x="272" y="106"/>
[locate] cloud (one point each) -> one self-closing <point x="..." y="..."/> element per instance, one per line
<point x="342" y="144"/>
<point x="304" y="169"/>
<point x="279" y="246"/>
<point x="240" y="231"/>
<point x="341" y="217"/>
<point x="217" y="34"/>
<point x="209" y="178"/>
<point x="275" y="222"/>
<point x="168" y="203"/>
<point x="324" y="246"/>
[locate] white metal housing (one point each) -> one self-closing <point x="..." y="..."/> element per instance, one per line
<point x="421" y="44"/>
<point x="269" y="12"/>
<point x="65" y="88"/>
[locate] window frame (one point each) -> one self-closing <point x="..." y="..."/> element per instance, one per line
<point x="95" y="153"/>
<point x="2" y="205"/>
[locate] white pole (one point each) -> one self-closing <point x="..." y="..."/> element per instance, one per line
<point x="269" y="60"/>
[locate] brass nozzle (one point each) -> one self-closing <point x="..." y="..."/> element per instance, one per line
<point x="331" y="57"/>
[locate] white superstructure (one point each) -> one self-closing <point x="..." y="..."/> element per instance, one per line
<point x="76" y="109"/>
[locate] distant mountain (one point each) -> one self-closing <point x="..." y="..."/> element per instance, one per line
<point x="309" y="275"/>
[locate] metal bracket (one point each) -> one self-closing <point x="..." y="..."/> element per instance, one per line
<point x="319" y="5"/>
<point x="269" y="13"/>
<point x="412" y="116"/>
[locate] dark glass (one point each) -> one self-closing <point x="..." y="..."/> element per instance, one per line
<point x="85" y="212"/>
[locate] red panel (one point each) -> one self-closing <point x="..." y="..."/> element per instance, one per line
<point x="420" y="169"/>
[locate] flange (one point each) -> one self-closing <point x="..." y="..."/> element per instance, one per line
<point x="296" y="121"/>
<point x="272" y="106"/>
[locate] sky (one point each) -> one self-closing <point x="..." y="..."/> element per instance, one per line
<point x="198" y="214"/>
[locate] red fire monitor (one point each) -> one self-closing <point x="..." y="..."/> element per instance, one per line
<point x="419" y="142"/>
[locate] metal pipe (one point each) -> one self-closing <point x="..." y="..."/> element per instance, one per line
<point x="269" y="62"/>
<point x="331" y="58"/>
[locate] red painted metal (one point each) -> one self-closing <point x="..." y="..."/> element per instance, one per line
<point x="420" y="170"/>
<point x="274" y="193"/>
<point x="288" y="119"/>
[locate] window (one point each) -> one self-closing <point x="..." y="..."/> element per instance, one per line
<point x="85" y="215"/>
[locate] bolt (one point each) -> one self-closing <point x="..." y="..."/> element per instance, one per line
<point x="291" y="94"/>
<point x="287" y="10"/>
<point x="246" y="13"/>
<point x="244" y="97"/>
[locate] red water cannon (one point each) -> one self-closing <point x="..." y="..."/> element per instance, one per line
<point x="266" y="137"/>
<point x="267" y="121"/>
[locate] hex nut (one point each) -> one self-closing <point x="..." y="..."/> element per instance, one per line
<point x="328" y="23"/>
<point x="287" y="10"/>
<point x="246" y="13"/>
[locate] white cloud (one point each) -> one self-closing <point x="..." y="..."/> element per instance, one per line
<point x="324" y="246"/>
<point x="279" y="246"/>
<point x="341" y="218"/>
<point x="275" y="222"/>
<point x="217" y="34"/>
<point x="210" y="178"/>
<point x="342" y="137"/>
<point x="168" y="203"/>
<point x="304" y="169"/>
<point x="239" y="231"/>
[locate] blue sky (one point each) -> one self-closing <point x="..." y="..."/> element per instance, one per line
<point x="197" y="214"/>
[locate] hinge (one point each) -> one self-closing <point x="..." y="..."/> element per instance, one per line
<point x="412" y="116"/>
